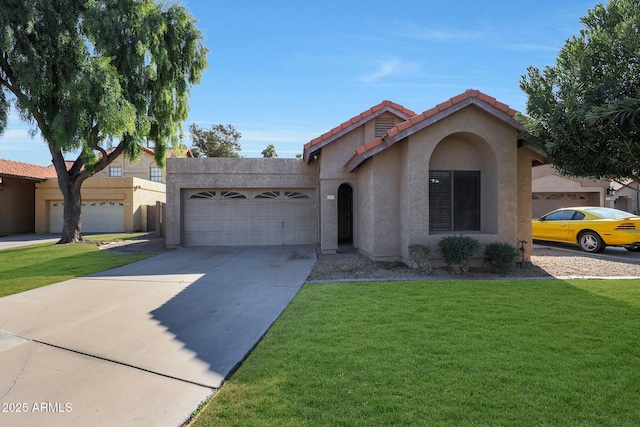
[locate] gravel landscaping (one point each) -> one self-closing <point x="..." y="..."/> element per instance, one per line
<point x="545" y="263"/>
<point x="148" y="244"/>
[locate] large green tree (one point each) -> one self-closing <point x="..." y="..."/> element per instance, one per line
<point x="100" y="78"/>
<point x="584" y="111"/>
<point x="219" y="141"/>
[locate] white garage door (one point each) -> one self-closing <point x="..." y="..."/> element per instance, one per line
<point x="97" y="217"/>
<point x="249" y="217"/>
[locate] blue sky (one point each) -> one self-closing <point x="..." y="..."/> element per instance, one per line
<point x="284" y="72"/>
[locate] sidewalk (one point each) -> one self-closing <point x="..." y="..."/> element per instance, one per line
<point x="17" y="240"/>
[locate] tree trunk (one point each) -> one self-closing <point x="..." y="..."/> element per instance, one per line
<point x="72" y="215"/>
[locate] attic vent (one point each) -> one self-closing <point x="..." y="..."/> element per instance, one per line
<point x="383" y="125"/>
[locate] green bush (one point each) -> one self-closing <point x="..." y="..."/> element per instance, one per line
<point x="501" y="257"/>
<point x="419" y="255"/>
<point x="457" y="251"/>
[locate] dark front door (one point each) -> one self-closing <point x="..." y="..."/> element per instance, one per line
<point x="345" y="214"/>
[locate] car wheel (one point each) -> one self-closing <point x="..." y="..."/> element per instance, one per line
<point x="632" y="248"/>
<point x="590" y="241"/>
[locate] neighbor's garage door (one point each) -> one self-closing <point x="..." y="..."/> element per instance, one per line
<point x="249" y="217"/>
<point x="97" y="217"/>
<point x="543" y="203"/>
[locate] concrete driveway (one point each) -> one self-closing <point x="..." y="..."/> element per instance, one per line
<point x="142" y="344"/>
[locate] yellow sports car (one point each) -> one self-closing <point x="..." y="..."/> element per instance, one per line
<point x="592" y="228"/>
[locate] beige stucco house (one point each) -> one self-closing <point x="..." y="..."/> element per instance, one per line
<point x="550" y="190"/>
<point x="115" y="199"/>
<point x="119" y="198"/>
<point x="381" y="181"/>
<point x="625" y="197"/>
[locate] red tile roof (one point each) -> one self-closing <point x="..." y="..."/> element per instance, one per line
<point x="356" y="121"/>
<point x="420" y="121"/>
<point x="10" y="168"/>
<point x="13" y="169"/>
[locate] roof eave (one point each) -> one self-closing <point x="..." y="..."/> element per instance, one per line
<point x="23" y="177"/>
<point x="358" y="158"/>
<point x="309" y="151"/>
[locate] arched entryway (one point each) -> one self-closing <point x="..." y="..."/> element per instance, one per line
<point x="345" y="215"/>
<point x="463" y="185"/>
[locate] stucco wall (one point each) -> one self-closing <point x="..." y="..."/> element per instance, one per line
<point x="390" y="189"/>
<point x="559" y="184"/>
<point x="17" y="206"/>
<point x="626" y="199"/>
<point x="524" y="201"/>
<point x="385" y="194"/>
<point x="209" y="173"/>
<point x="393" y="188"/>
<point x="133" y="192"/>
<point x="471" y="139"/>
<point x="365" y="189"/>
<point x="139" y="169"/>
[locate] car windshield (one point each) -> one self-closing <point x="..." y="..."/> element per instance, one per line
<point x="609" y="213"/>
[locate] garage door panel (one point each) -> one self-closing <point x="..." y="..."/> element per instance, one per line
<point x="306" y="224"/>
<point x="242" y="225"/>
<point x="96" y="217"/>
<point x="266" y="208"/>
<point x="291" y="210"/>
<point x="291" y="238"/>
<point x="274" y="225"/>
<point x="306" y="210"/>
<point x="242" y="208"/>
<point x="195" y="238"/>
<point x="224" y="209"/>
<point x="272" y="220"/>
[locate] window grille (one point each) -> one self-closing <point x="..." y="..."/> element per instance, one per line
<point x="115" y="171"/>
<point x="155" y="174"/>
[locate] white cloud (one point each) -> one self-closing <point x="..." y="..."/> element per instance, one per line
<point x="530" y="47"/>
<point x="389" y="67"/>
<point x="413" y="31"/>
<point x="384" y="69"/>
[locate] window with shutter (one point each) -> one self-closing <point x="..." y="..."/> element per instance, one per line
<point x="454" y="201"/>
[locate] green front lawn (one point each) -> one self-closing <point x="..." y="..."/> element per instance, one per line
<point x="31" y="267"/>
<point x="455" y="353"/>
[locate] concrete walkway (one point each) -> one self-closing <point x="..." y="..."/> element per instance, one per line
<point x="142" y="344"/>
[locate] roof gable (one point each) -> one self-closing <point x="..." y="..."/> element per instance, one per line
<point x="13" y="169"/>
<point x="385" y="106"/>
<point x="431" y="116"/>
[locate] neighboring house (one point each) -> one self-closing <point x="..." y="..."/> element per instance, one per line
<point x="115" y="199"/>
<point x="550" y="191"/>
<point x="17" y="195"/>
<point x="626" y="197"/>
<point x="381" y="181"/>
<point x="145" y="167"/>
